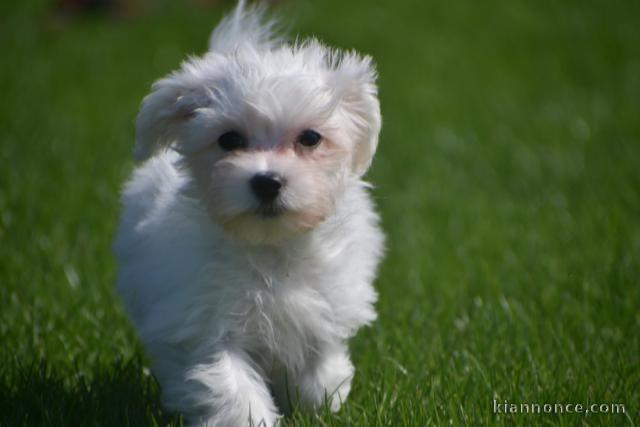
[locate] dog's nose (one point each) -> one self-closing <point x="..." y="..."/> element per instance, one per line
<point x="266" y="185"/>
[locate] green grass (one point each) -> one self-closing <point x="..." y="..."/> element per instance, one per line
<point x="508" y="177"/>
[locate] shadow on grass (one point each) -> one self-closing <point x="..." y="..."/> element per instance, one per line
<point x="120" y="395"/>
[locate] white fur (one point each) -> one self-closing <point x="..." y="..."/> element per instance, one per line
<point x="244" y="314"/>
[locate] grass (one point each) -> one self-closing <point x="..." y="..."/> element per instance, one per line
<point x="507" y="177"/>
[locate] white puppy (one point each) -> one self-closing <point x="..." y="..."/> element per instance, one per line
<point x="248" y="243"/>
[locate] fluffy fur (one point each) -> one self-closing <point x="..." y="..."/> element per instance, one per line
<point x="245" y="313"/>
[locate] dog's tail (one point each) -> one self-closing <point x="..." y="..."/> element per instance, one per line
<point x="245" y="26"/>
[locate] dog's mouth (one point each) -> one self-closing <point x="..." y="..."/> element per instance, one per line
<point x="270" y="210"/>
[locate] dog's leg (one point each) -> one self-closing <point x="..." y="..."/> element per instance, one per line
<point x="234" y="392"/>
<point x="326" y="379"/>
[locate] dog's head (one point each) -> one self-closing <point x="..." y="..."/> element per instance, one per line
<point x="270" y="131"/>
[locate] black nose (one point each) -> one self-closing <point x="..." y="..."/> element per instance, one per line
<point x="266" y="186"/>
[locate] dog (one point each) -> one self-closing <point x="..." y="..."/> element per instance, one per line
<point x="248" y="242"/>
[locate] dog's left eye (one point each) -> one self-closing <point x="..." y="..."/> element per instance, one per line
<point x="309" y="138"/>
<point x="232" y="140"/>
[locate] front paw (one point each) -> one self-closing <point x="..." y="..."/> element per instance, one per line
<point x="329" y="382"/>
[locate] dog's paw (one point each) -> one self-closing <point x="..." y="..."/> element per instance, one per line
<point x="329" y="382"/>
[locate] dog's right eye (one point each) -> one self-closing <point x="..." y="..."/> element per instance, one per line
<point x="232" y="140"/>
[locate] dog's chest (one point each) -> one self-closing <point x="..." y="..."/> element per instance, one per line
<point x="286" y="313"/>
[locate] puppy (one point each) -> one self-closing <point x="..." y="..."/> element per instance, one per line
<point x="248" y="243"/>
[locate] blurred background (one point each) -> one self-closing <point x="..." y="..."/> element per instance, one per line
<point x="507" y="177"/>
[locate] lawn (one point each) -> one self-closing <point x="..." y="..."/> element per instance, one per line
<point x="508" y="178"/>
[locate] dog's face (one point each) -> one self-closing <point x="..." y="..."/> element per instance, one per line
<point x="270" y="136"/>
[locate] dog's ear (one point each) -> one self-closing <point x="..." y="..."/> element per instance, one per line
<point x="163" y="111"/>
<point x="359" y="100"/>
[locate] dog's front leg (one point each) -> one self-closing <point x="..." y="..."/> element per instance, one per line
<point x="325" y="379"/>
<point x="234" y="393"/>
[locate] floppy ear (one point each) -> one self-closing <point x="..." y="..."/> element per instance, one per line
<point x="162" y="112"/>
<point x="357" y="76"/>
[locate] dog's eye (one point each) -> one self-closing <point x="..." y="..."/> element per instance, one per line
<point x="309" y="138"/>
<point x="232" y="140"/>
